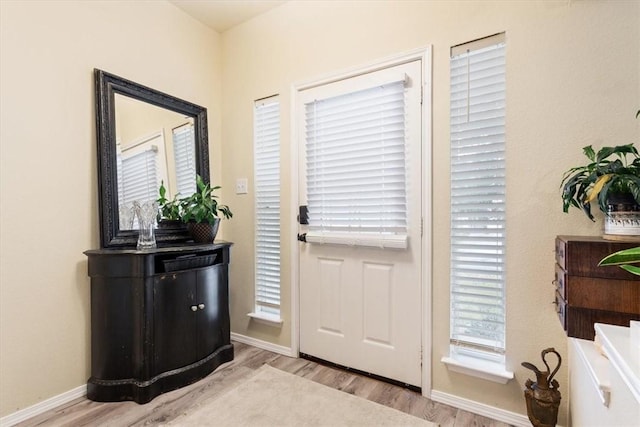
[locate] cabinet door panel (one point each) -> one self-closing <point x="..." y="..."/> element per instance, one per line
<point x="213" y="318"/>
<point x="174" y="320"/>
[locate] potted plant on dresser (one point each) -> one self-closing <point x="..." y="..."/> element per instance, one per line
<point x="201" y="211"/>
<point x="611" y="179"/>
<point x="169" y="210"/>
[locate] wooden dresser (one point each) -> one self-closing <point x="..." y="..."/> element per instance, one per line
<point x="588" y="294"/>
<point x="159" y="319"/>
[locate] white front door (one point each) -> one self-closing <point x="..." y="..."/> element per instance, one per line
<point x="360" y="282"/>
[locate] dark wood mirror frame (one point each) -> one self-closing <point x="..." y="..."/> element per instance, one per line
<point x="107" y="86"/>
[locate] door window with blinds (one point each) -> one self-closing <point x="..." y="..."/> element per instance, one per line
<point x="356" y="171"/>
<point x="267" y="208"/>
<point x="141" y="166"/>
<point x="478" y="200"/>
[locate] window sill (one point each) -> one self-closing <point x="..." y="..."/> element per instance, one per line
<point x="375" y="240"/>
<point x="478" y="368"/>
<point x="267" y="319"/>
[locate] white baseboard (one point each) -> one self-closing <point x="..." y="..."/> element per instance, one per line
<point x="286" y="351"/>
<point x="44" y="406"/>
<point x="480" y="409"/>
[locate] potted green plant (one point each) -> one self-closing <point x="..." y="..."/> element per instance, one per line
<point x="201" y="212"/>
<point x="169" y="210"/>
<point x="612" y="180"/>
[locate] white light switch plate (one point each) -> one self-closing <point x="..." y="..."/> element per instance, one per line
<point x="242" y="186"/>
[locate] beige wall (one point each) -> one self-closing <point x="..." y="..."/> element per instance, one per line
<point x="573" y="70"/>
<point x="48" y="197"/>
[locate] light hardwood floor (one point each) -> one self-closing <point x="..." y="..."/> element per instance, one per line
<point x="164" y="408"/>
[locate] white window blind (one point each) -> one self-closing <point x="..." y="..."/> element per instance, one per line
<point x="355" y="172"/>
<point x="478" y="198"/>
<point x="267" y="205"/>
<point x="139" y="174"/>
<point x="185" y="160"/>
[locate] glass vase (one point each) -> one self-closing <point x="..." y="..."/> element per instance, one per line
<point x="147" y="213"/>
<point x="127" y="216"/>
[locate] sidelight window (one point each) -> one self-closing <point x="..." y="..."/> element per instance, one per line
<point x="267" y="208"/>
<point x="478" y="202"/>
<point x="185" y="161"/>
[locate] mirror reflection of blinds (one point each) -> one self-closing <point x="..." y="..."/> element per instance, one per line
<point x="185" y="161"/>
<point x="139" y="177"/>
<point x="478" y="198"/>
<point x="355" y="150"/>
<point x="267" y="204"/>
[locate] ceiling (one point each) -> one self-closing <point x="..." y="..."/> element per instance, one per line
<point x="224" y="14"/>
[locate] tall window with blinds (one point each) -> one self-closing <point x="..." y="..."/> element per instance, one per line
<point x="478" y="199"/>
<point x="355" y="171"/>
<point x="185" y="159"/>
<point x="267" y="205"/>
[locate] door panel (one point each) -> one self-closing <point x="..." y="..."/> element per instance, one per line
<point x="361" y="306"/>
<point x="212" y="312"/>
<point x="377" y="303"/>
<point x="330" y="291"/>
<point x="174" y="320"/>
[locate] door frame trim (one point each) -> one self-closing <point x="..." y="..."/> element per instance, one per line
<point x="425" y="56"/>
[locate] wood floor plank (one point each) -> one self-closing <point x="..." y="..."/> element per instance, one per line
<point x="329" y="377"/>
<point x="361" y="386"/>
<point x="384" y="394"/>
<point x="166" y="407"/>
<point x="468" y="419"/>
<point x="289" y="364"/>
<point x="438" y="413"/>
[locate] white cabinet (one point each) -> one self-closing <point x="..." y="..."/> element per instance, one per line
<point x="604" y="382"/>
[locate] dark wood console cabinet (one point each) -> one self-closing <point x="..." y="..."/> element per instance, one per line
<point x="588" y="294"/>
<point x="159" y="319"/>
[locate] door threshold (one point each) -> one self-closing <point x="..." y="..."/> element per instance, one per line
<point x="358" y="371"/>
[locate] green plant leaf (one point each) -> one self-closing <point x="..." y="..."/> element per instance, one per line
<point x="631" y="269"/>
<point x="589" y="152"/>
<point x="604" y="194"/>
<point x="627" y="256"/>
<point x="634" y="187"/>
<point x="619" y="150"/>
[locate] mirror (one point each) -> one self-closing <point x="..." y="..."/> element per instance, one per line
<point x="144" y="137"/>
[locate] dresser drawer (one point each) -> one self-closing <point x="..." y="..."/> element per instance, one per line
<point x="561" y="310"/>
<point x="561" y="252"/>
<point x="579" y="322"/>
<point x="561" y="279"/>
<point x="580" y="255"/>
<point x="622" y="296"/>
